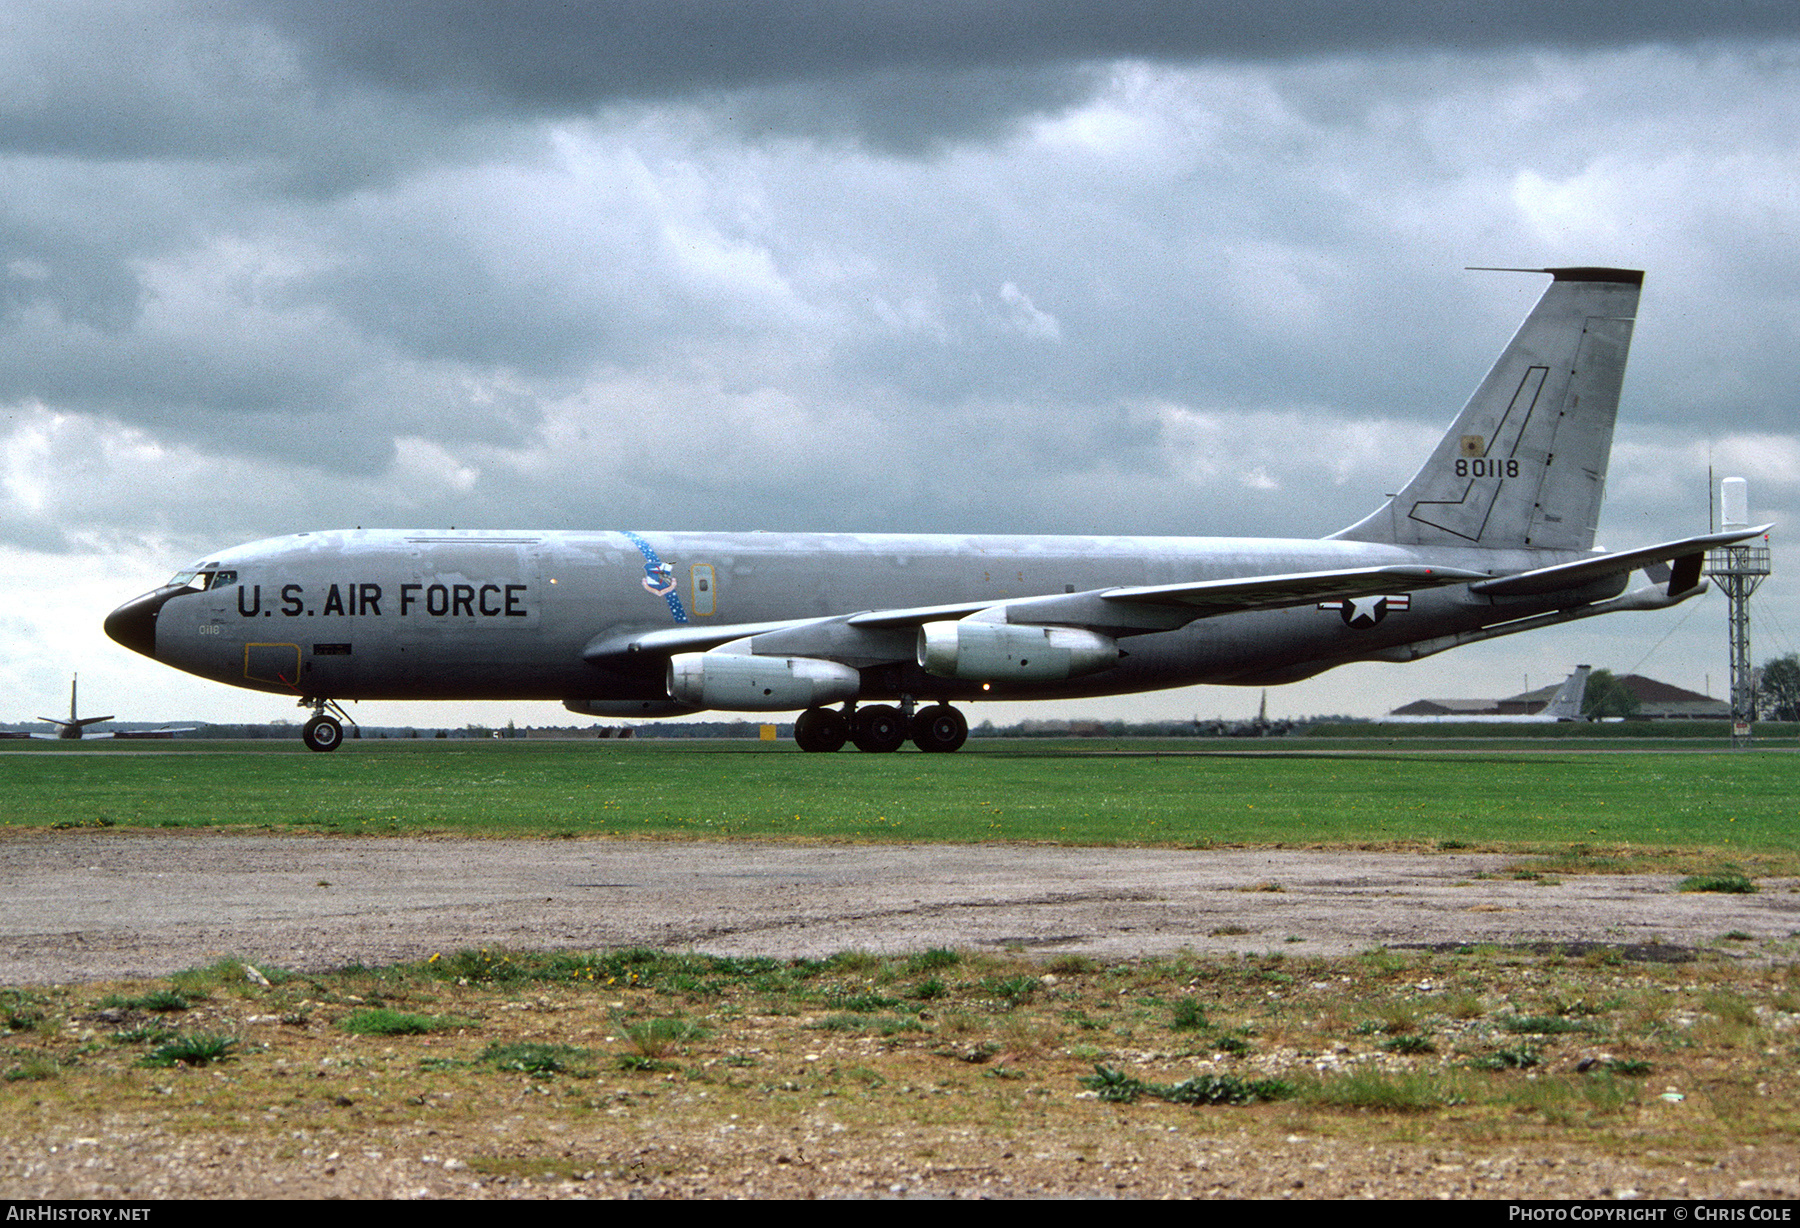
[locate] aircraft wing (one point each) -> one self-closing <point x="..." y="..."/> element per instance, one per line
<point x="1687" y="556"/>
<point x="918" y="615"/>
<point x="871" y="636"/>
<point x="1300" y="588"/>
<point x="1164" y="607"/>
<point x="121" y="735"/>
<point x="667" y="641"/>
<point x="1190" y="600"/>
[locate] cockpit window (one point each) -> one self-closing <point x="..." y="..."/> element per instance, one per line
<point x="202" y="578"/>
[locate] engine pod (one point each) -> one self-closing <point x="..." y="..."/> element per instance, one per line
<point x="995" y="652"/>
<point x="743" y="682"/>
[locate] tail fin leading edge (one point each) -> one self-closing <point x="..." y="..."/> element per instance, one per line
<point x="1524" y="465"/>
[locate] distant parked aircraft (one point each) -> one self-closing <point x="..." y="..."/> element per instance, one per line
<point x="76" y="726"/>
<point x="1261" y="727"/>
<point x="1565" y="705"/>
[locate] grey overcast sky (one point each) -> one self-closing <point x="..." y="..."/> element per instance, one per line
<point x="1151" y="267"/>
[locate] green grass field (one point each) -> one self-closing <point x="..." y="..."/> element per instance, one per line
<point x="1627" y="803"/>
<point x="1534" y="1073"/>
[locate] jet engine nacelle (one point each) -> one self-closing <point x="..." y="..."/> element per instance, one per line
<point x="996" y="652"/>
<point x="743" y="682"/>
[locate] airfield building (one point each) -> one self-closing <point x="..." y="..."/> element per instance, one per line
<point x="1657" y="701"/>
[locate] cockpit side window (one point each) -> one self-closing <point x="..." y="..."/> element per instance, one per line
<point x="205" y="576"/>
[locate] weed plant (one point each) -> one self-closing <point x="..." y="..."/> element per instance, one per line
<point x="385" y="1021"/>
<point x="655" y="1038"/>
<point x="198" y="1050"/>
<point x="1729" y="883"/>
<point x="539" y="1058"/>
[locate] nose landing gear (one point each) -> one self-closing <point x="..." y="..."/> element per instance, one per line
<point x="323" y="732"/>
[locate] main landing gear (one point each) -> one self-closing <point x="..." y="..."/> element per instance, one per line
<point x="879" y="728"/>
<point x="323" y="733"/>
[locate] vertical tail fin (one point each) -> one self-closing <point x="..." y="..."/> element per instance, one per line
<point x="1565" y="705"/>
<point x="1524" y="464"/>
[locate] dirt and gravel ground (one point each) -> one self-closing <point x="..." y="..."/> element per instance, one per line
<point x="824" y="1115"/>
<point x="85" y="905"/>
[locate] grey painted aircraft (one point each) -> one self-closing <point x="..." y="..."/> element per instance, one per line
<point x="1565" y="705"/>
<point x="873" y="638"/>
<point x="75" y="728"/>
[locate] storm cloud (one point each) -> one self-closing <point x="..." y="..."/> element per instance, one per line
<point x="1023" y="267"/>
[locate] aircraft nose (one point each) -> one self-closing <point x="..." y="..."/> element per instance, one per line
<point x="134" y="623"/>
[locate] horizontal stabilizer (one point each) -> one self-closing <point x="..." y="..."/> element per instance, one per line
<point x="1586" y="571"/>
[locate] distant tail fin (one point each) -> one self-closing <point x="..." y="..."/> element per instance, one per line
<point x="1525" y="462"/>
<point x="1566" y="704"/>
<point x="72" y="727"/>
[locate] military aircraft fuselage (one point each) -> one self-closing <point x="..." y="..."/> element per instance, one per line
<point x="1492" y="536"/>
<point x="388" y="614"/>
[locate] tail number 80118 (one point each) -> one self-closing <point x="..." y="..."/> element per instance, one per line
<point x="1482" y="467"/>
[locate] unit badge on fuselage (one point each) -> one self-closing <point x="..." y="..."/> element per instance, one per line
<point x="659" y="577"/>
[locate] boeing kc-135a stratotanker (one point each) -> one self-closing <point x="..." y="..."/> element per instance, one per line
<point x="874" y="637"/>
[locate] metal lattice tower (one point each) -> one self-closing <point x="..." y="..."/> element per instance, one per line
<point x="1737" y="571"/>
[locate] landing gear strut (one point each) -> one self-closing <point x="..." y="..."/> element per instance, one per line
<point x="323" y="732"/>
